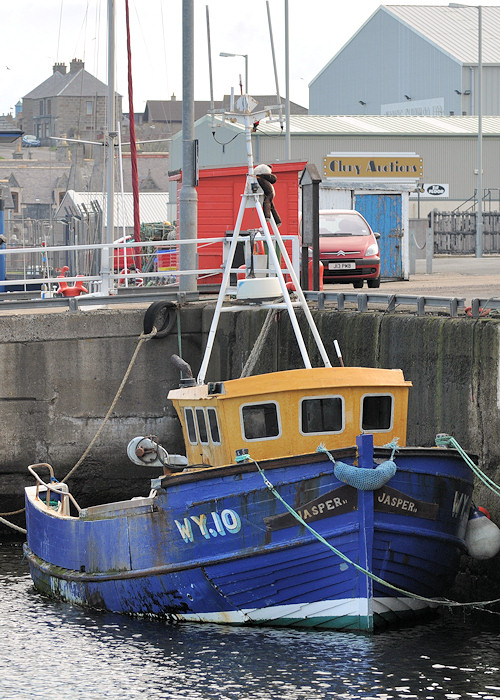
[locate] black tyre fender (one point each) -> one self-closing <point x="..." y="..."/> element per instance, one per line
<point x="162" y="316"/>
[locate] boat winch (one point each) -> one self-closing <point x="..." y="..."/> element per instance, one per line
<point x="146" y="451"/>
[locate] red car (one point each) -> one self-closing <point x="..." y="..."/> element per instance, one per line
<point x="348" y="248"/>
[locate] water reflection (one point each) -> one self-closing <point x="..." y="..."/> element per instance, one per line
<point x="54" y="650"/>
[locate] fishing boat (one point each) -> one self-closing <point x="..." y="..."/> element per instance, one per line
<point x="297" y="502"/>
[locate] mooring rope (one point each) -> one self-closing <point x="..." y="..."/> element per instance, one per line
<point x="142" y="339"/>
<point x="443" y="439"/>
<point x="374" y="577"/>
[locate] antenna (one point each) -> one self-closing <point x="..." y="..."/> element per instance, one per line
<point x="278" y="96"/>
<point x="210" y="70"/>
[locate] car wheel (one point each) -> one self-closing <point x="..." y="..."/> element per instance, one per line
<point x="358" y="284"/>
<point x="374" y="284"/>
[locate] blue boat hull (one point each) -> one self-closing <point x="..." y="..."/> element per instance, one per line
<point x="219" y="546"/>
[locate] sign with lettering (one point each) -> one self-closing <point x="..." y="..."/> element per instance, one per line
<point x="341" y="500"/>
<point x="378" y="165"/>
<point x="431" y="191"/>
<point x="389" y="500"/>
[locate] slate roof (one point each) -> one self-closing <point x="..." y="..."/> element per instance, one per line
<point x="37" y="180"/>
<point x="170" y="111"/>
<point x="76" y="84"/>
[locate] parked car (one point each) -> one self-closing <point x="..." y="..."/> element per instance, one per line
<point x="30" y="141"/>
<point x="348" y="248"/>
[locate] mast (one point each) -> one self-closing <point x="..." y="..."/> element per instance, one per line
<point x="188" y="197"/>
<point x="110" y="152"/>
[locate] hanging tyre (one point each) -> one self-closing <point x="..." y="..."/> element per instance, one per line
<point x="162" y="316"/>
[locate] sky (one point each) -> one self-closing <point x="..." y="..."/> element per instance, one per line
<point x="38" y="33"/>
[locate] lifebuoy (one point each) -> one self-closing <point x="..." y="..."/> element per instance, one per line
<point x="482" y="312"/>
<point x="162" y="316"/>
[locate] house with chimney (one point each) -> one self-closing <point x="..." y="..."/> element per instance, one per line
<point x="68" y="104"/>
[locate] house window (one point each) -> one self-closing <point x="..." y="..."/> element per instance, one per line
<point x="90" y="108"/>
<point x="377" y="412"/>
<point x="40" y="107"/>
<point x="322" y="414"/>
<point x="260" y="421"/>
<point x="49" y="107"/>
<point x="15" y="201"/>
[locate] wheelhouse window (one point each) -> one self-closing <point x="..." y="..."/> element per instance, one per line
<point x="191" y="430"/>
<point x="202" y="426"/>
<point x="322" y="414"/>
<point x="213" y="425"/>
<point x="260" y="421"/>
<point x="377" y="412"/>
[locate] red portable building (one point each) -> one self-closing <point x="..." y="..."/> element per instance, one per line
<point x="219" y="198"/>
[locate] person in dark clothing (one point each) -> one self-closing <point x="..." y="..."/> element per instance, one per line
<point x="266" y="180"/>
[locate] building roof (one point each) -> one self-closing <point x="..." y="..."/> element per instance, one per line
<point x="76" y="83"/>
<point x="37" y="180"/>
<point x="374" y="125"/>
<point x="152" y="206"/>
<point x="454" y="29"/>
<point x="8" y="130"/>
<point x="171" y="110"/>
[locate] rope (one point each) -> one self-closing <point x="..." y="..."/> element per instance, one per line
<point x="447" y="440"/>
<point x="256" y="350"/>
<point x="374" y="577"/>
<point x="142" y="339"/>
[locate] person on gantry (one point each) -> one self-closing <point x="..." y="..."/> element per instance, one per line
<point x="266" y="180"/>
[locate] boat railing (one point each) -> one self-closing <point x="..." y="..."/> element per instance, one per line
<point x="57" y="496"/>
<point x="71" y="271"/>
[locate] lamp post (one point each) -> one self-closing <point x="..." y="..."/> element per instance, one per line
<point x="242" y="55"/>
<point x="479" y="221"/>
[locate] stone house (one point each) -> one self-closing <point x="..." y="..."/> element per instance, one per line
<point x="71" y="104"/>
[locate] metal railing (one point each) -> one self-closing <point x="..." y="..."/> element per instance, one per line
<point x="131" y="264"/>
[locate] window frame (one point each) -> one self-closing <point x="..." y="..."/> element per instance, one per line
<point x="213" y="411"/>
<point x="186" y="420"/>
<point x="375" y="394"/>
<point x="260" y="403"/>
<point x="197" y="411"/>
<point x="322" y="396"/>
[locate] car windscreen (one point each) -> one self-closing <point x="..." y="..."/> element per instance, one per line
<point x="342" y="225"/>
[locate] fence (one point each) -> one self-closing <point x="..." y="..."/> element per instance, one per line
<point x="57" y="270"/>
<point x="455" y="232"/>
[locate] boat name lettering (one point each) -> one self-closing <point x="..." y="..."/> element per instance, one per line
<point x="389" y="500"/>
<point x="213" y="525"/>
<point x="341" y="500"/>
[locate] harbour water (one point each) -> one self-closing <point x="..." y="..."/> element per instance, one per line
<point x="54" y="650"/>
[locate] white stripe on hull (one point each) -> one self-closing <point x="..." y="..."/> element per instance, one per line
<point x="348" y="608"/>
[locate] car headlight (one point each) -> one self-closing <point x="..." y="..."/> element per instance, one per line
<point x="372" y="250"/>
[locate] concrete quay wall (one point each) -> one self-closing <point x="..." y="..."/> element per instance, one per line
<point x="61" y="372"/>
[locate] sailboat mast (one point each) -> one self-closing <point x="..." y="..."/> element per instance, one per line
<point x="110" y="151"/>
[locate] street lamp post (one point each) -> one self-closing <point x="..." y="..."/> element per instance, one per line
<point x="479" y="220"/>
<point x="242" y="55"/>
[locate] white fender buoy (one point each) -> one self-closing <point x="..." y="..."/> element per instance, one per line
<point x="482" y="537"/>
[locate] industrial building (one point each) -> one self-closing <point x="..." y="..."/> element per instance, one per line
<point x="447" y="146"/>
<point x="415" y="60"/>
